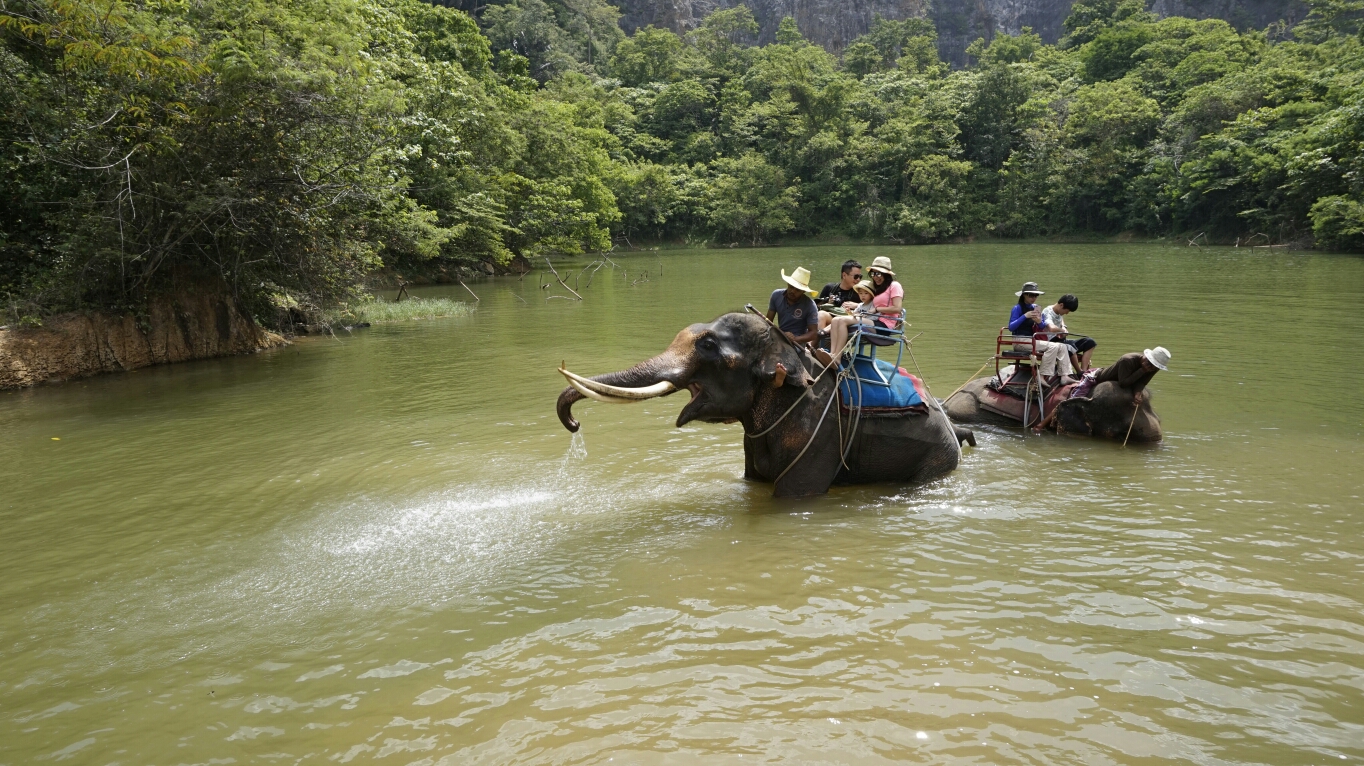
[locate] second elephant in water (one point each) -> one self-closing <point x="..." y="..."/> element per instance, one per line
<point x="1109" y="411"/>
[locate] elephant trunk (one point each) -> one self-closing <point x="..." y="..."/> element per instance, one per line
<point x="659" y="376"/>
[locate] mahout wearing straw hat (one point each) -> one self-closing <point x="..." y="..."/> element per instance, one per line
<point x="799" y="279"/>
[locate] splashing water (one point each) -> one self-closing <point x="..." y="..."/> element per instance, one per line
<point x="577" y="449"/>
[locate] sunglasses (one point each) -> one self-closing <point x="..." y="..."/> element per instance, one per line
<point x="878" y="273"/>
<point x="858" y="275"/>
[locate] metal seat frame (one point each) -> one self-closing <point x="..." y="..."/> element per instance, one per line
<point x="866" y="345"/>
<point x="1031" y="358"/>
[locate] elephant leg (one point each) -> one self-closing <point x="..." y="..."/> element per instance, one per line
<point x="750" y="466"/>
<point x="964" y="435"/>
<point x="813" y="472"/>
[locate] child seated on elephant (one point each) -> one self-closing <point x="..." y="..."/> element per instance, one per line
<point x="841" y="326"/>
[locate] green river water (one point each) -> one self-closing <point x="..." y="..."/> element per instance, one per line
<point x="384" y="547"/>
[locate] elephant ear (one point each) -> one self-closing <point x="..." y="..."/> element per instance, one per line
<point x="1071" y="418"/>
<point x="779" y="352"/>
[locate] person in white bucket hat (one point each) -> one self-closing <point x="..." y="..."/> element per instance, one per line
<point x="793" y="308"/>
<point x="1133" y="371"/>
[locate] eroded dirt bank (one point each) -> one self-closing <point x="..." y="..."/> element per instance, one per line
<point x="188" y="326"/>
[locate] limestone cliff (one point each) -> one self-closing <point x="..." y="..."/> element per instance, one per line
<point x="835" y="23"/>
<point x="192" y="325"/>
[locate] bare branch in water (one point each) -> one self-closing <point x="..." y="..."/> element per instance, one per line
<point x="471" y="292"/>
<point x="579" y="275"/>
<point x="561" y="279"/>
<point x="593" y="275"/>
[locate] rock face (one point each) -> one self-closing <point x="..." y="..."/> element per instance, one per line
<point x="835" y="23"/>
<point x="192" y="325"/>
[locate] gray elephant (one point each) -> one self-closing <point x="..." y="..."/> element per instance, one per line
<point x="741" y="369"/>
<point x="1107" y="412"/>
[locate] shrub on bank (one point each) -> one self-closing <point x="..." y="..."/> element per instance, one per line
<point x="379" y="311"/>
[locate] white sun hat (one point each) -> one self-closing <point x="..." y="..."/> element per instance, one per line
<point x="1157" y="356"/>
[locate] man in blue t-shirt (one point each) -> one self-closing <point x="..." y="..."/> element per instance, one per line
<point x="795" y="311"/>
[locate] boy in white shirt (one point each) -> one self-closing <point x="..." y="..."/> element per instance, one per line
<point x="1054" y="324"/>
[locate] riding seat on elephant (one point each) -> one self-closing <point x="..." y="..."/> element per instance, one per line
<point x="741" y="369"/>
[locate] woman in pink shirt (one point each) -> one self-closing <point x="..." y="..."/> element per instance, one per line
<point x="890" y="296"/>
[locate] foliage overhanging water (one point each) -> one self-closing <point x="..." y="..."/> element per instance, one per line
<point x="386" y="545"/>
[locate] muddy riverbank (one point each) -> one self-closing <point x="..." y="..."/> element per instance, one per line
<point x="193" y="325"/>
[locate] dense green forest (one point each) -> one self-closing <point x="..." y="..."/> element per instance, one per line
<point x="292" y="148"/>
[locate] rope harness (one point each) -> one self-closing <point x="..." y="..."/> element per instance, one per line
<point x="854" y="410"/>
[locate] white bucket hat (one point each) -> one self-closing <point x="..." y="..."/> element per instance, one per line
<point x="799" y="279"/>
<point x="1157" y="356"/>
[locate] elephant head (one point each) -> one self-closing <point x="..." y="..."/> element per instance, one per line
<point x="727" y="366"/>
<point x="1111" y="412"/>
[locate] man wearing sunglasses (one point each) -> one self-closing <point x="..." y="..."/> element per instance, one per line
<point x="839" y="297"/>
<point x="836" y="294"/>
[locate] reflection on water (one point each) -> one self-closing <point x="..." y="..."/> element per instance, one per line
<point x="386" y="547"/>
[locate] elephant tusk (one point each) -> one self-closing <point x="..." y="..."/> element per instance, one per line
<point x="614" y="393"/>
<point x="593" y="395"/>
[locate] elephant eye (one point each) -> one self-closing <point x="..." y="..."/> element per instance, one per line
<point x="707" y="344"/>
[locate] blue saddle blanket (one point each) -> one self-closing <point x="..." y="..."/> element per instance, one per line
<point x="904" y="390"/>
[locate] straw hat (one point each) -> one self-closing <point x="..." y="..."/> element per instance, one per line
<point x="799" y="279"/>
<point x="1157" y="356"/>
<point x="1029" y="287"/>
<point x="865" y="285"/>
<point x="882" y="264"/>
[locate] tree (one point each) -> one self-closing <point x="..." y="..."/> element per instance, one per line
<point x="1331" y="18"/>
<point x="1111" y="53"/>
<point x="529" y="28"/>
<point x="1338" y="223"/>
<point x="1089" y="18"/>
<point x="1006" y="49"/>
<point x="862" y="58"/>
<point x="651" y="55"/>
<point x="723" y="36"/>
<point x="750" y="198"/>
<point x="788" y="33"/>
